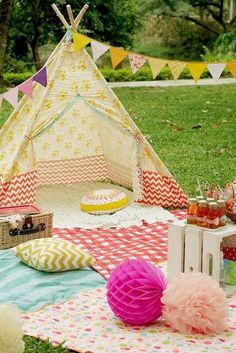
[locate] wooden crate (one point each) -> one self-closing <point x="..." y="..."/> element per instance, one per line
<point x="32" y="227"/>
<point x="193" y="248"/>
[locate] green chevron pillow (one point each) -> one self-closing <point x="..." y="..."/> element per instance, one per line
<point x="53" y="255"/>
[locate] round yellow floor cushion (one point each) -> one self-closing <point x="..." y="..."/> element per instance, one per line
<point x="104" y="201"/>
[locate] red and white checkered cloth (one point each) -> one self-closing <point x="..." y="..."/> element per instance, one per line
<point x="111" y="247"/>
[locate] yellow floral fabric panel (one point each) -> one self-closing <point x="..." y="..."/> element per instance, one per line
<point x="75" y="135"/>
<point x="53" y="255"/>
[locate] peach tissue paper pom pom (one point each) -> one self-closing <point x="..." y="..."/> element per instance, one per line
<point x="11" y="332"/>
<point x="195" y="303"/>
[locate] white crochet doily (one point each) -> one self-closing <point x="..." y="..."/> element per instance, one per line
<point x="64" y="202"/>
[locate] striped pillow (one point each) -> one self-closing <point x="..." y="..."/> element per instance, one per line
<point x="53" y="255"/>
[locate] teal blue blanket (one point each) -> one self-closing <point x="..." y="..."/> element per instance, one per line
<point x="30" y="289"/>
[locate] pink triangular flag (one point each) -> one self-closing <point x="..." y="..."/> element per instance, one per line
<point x="216" y="69"/>
<point x="41" y="77"/>
<point x="27" y="87"/>
<point x="136" y="61"/>
<point x="12" y="96"/>
<point x="98" y="49"/>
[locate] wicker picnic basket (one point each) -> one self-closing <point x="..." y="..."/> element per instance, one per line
<point x="32" y="227"/>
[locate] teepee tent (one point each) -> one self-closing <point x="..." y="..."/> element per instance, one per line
<point x="76" y="130"/>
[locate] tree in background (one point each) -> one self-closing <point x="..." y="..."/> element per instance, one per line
<point x="6" y="7"/>
<point x="35" y="23"/>
<point x="187" y="29"/>
<point x="216" y="16"/>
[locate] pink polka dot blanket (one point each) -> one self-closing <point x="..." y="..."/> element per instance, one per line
<point x="86" y="323"/>
<point x="111" y="247"/>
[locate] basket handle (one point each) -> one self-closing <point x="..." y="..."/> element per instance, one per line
<point x="39" y="228"/>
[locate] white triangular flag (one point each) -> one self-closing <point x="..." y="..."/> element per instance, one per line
<point x="12" y="96"/>
<point x="216" y="69"/>
<point x="98" y="49"/>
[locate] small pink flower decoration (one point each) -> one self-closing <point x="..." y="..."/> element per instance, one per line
<point x="194" y="303"/>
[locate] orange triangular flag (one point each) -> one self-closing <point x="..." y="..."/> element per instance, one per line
<point x="117" y="56"/>
<point x="196" y="70"/>
<point x="232" y="68"/>
<point x="80" y="41"/>
<point x="176" y="68"/>
<point x="156" y="66"/>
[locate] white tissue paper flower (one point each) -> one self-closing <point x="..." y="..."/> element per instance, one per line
<point x="11" y="332"/>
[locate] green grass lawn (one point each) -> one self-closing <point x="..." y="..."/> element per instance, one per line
<point x="193" y="130"/>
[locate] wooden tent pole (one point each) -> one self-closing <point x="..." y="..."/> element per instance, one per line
<point x="81" y="14"/>
<point x="71" y="17"/>
<point x="59" y="14"/>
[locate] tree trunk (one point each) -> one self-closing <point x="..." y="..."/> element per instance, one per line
<point x="6" y="7"/>
<point x="35" y="51"/>
<point x="232" y="10"/>
<point x="35" y="41"/>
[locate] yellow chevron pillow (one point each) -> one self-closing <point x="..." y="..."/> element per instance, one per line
<point x="53" y="255"/>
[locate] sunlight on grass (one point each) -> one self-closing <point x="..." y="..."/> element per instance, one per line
<point x="193" y="129"/>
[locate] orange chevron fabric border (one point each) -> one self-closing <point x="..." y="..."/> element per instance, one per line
<point x="73" y="170"/>
<point x="119" y="174"/>
<point x="21" y="190"/>
<point x="162" y="191"/>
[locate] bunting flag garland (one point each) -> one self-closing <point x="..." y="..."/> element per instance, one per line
<point x="98" y="49"/>
<point x="136" y="61"/>
<point x="232" y="68"/>
<point x="156" y="66"/>
<point x="80" y="41"/>
<point x="117" y="56"/>
<point x="196" y="70"/>
<point x="12" y="96"/>
<point x="176" y="68"/>
<point x="27" y="88"/>
<point x="41" y="77"/>
<point x="216" y="69"/>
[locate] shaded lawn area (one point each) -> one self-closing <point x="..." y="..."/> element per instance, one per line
<point x="193" y="130"/>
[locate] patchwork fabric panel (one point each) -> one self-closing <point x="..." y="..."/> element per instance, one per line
<point x="53" y="255"/>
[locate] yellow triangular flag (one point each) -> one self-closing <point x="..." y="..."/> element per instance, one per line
<point x="117" y="56"/>
<point x="176" y="68"/>
<point x="196" y="70"/>
<point x="232" y="68"/>
<point x="156" y="66"/>
<point x="80" y="41"/>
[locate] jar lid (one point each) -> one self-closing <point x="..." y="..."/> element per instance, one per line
<point x="213" y="204"/>
<point x="200" y="197"/>
<point x="221" y="202"/>
<point x="202" y="202"/>
<point x="192" y="199"/>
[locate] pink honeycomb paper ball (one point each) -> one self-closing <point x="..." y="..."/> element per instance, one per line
<point x="134" y="292"/>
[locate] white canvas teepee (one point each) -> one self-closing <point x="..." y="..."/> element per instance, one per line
<point x="75" y="130"/>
